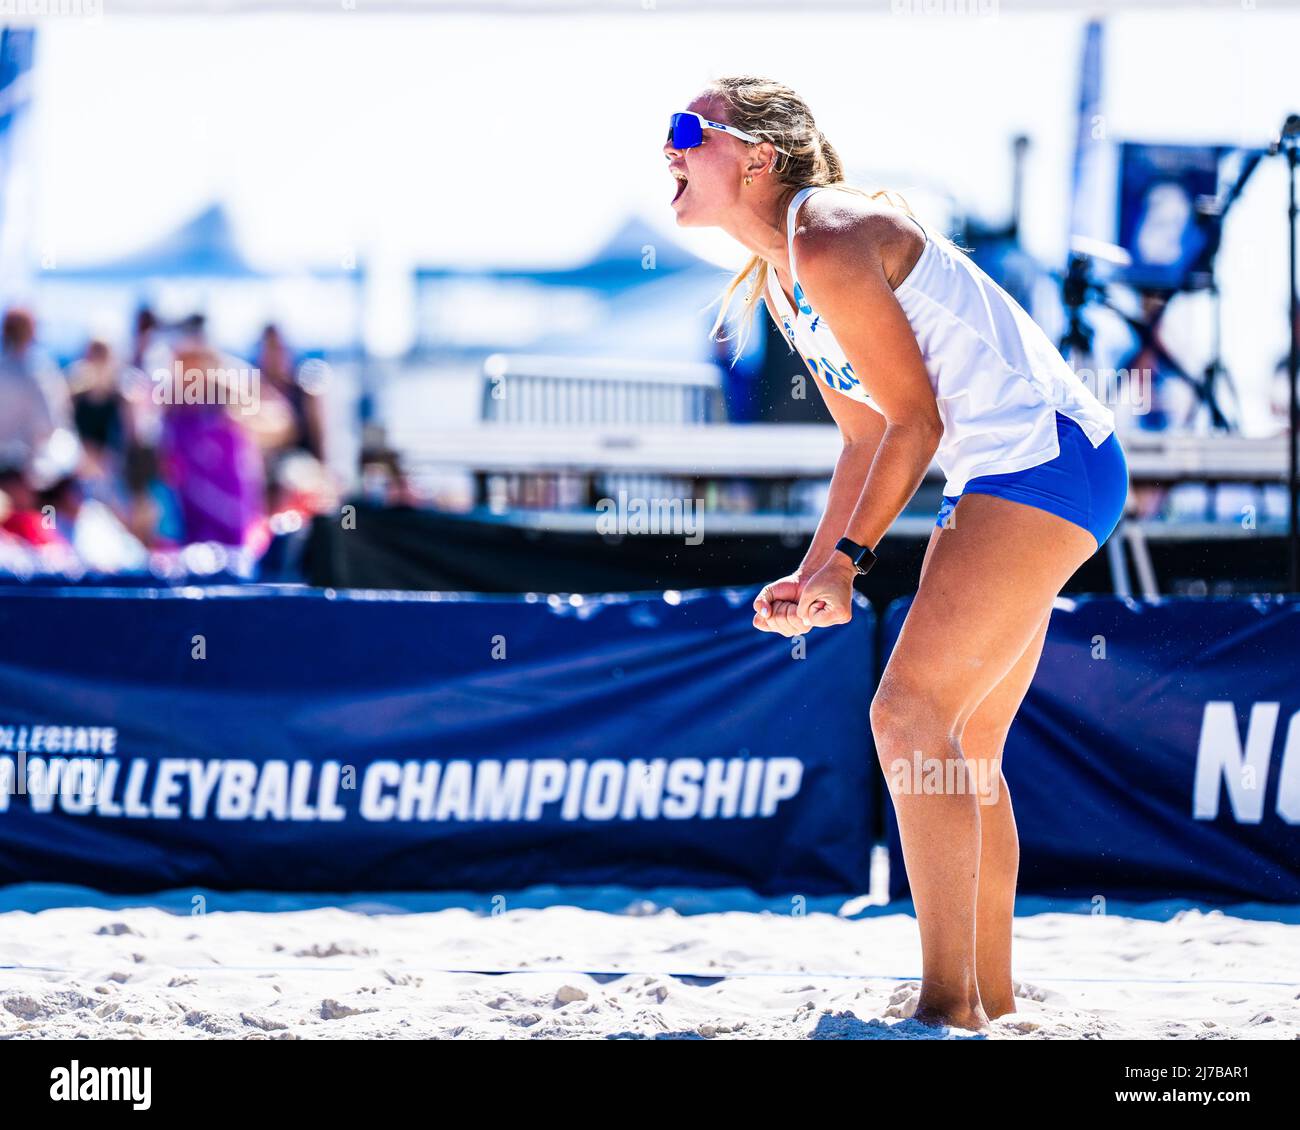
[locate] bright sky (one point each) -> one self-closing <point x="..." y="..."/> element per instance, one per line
<point x="525" y="139"/>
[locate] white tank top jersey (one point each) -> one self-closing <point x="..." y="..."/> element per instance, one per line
<point x="997" y="379"/>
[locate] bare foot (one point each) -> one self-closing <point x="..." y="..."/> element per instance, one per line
<point x="968" y="1019"/>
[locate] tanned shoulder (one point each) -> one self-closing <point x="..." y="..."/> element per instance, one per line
<point x="843" y="230"/>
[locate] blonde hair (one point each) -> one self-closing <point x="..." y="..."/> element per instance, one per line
<point x="772" y="111"/>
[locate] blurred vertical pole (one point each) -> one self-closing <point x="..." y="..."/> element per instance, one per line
<point x="16" y="163"/>
<point x="1289" y="142"/>
<point x="1089" y="131"/>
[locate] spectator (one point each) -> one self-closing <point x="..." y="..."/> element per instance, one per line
<point x="152" y="512"/>
<point x="98" y="406"/>
<point x="99" y="538"/>
<point x="212" y="462"/>
<point x="23" y="517"/>
<point x="33" y="396"/>
<point x="276" y="364"/>
<point x="145" y="339"/>
<point x="191" y="332"/>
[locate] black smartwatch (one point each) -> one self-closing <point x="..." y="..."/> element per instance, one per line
<point x="860" y="555"/>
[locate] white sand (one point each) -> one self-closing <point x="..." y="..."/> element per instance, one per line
<point x="376" y="969"/>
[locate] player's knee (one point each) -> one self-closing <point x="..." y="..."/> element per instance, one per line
<point x="984" y="734"/>
<point x="906" y="710"/>
<point x="884" y="711"/>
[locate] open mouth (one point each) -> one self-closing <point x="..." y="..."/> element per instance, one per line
<point x="681" y="187"/>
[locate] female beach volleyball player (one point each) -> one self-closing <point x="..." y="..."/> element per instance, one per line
<point x="918" y="355"/>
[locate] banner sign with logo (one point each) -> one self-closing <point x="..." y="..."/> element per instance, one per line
<point x="1157" y="753"/>
<point x="1163" y="223"/>
<point x="279" y="738"/>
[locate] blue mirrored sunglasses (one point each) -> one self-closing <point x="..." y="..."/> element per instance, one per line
<point x="686" y="130"/>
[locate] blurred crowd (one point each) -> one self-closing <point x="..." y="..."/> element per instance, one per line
<point x="119" y="458"/>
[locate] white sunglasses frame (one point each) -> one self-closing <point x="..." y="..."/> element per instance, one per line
<point x="740" y="133"/>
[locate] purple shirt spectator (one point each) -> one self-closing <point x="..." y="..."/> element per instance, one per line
<point x="215" y="468"/>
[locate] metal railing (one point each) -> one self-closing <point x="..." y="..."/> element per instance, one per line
<point x="548" y="391"/>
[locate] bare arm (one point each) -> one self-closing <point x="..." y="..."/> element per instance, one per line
<point x="842" y="271"/>
<point x="844" y="277"/>
<point x="861" y="429"/>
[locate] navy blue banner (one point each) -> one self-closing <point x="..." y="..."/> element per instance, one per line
<point x="1157" y="753"/>
<point x="1161" y="222"/>
<point x="258" y="737"/>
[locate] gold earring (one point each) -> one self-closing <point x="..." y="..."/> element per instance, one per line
<point x="749" y="180"/>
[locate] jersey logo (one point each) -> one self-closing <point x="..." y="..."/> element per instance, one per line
<point x="841" y="379"/>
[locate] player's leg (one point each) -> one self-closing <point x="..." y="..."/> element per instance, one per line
<point x="982" y="741"/>
<point x="987" y="588"/>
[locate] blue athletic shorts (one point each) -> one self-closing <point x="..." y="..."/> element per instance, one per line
<point x="1085" y="485"/>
